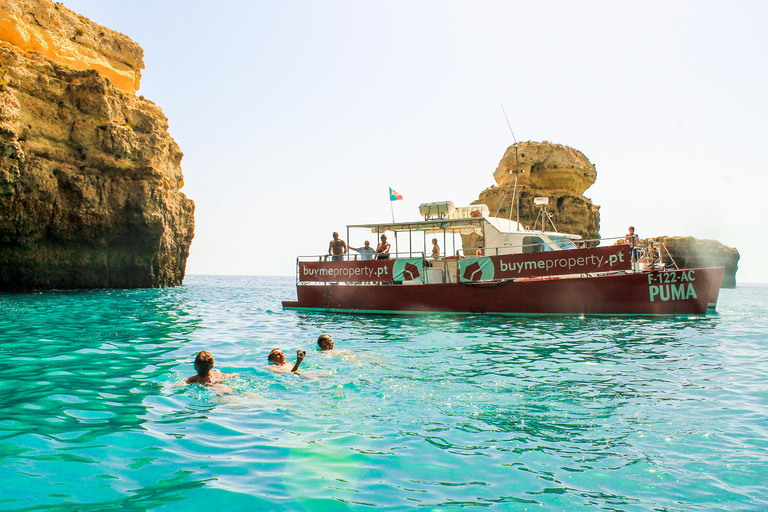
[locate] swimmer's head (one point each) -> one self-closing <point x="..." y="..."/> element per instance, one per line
<point x="276" y="356"/>
<point x="203" y="362"/>
<point x="325" y="342"/>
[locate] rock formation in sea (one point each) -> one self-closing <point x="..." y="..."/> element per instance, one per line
<point x="563" y="174"/>
<point x="544" y="169"/>
<point x="90" y="179"/>
<point x="689" y="252"/>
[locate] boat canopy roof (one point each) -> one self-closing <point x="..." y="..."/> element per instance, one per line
<point x="462" y="226"/>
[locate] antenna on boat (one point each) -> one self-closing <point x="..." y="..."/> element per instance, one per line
<point x="516" y="172"/>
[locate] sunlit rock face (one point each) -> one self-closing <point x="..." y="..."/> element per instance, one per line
<point x="548" y="170"/>
<point x="89" y="176"/>
<point x="688" y="252"/>
<point x="66" y="38"/>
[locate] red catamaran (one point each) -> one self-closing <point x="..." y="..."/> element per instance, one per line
<point x="517" y="271"/>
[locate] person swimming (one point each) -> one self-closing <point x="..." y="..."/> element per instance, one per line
<point x="325" y="344"/>
<point x="278" y="363"/>
<point x="207" y="376"/>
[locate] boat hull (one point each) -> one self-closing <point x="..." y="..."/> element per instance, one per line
<point x="678" y="292"/>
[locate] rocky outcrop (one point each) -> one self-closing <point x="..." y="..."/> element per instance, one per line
<point x="90" y="179"/>
<point x="71" y="40"/>
<point x="688" y="252"/>
<point x="563" y="174"/>
<point x="551" y="170"/>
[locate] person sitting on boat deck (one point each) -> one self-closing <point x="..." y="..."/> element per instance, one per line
<point x="653" y="255"/>
<point x="631" y="239"/>
<point x="366" y="251"/>
<point x="479" y="252"/>
<point x="278" y="363"/>
<point x="383" y="249"/>
<point x="337" y="248"/>
<point x="435" y="249"/>
<point x="206" y="375"/>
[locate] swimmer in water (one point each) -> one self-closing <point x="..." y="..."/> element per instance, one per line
<point x="207" y="376"/>
<point x="325" y="344"/>
<point x="278" y="364"/>
<point x="205" y="373"/>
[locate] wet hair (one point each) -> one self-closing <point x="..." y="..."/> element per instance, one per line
<point x="323" y="337"/>
<point x="203" y="362"/>
<point x="271" y="356"/>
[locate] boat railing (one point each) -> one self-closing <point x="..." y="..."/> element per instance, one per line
<point x="409" y="267"/>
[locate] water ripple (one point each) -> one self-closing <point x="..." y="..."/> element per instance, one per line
<point x="425" y="412"/>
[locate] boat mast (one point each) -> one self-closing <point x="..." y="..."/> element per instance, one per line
<point x="516" y="172"/>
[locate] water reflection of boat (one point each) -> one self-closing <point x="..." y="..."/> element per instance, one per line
<point x="509" y="270"/>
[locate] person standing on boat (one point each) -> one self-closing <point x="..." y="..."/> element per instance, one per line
<point x="654" y="255"/>
<point x="338" y="248"/>
<point x="435" y="249"/>
<point x="631" y="239"/>
<point x="366" y="252"/>
<point x="383" y="249"/>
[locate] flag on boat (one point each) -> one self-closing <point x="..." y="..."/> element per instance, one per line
<point x="394" y="196"/>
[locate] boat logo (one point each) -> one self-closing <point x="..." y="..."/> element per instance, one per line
<point x="406" y="269"/>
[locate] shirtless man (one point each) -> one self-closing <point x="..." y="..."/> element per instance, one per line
<point x="205" y="373"/>
<point x="338" y="248"/>
<point x="383" y="249"/>
<point x="278" y="364"/>
<point x="325" y="344"/>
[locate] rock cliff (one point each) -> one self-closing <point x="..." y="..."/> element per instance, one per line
<point x="90" y="179"/>
<point x="688" y="252"/>
<point x="563" y="174"/>
<point x="544" y="169"/>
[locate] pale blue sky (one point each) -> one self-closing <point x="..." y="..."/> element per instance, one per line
<point x="296" y="116"/>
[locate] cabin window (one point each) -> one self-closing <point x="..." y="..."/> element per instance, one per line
<point x="532" y="244"/>
<point x="562" y="242"/>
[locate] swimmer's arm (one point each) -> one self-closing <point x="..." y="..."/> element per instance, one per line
<point x="299" y="358"/>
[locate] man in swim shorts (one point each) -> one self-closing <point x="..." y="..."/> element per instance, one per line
<point x="383" y="249"/>
<point x="337" y="248"/>
<point x="278" y="364"/>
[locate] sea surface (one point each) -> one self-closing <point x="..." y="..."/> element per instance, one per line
<point x="421" y="413"/>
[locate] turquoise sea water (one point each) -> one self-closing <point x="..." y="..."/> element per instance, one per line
<point x="444" y="413"/>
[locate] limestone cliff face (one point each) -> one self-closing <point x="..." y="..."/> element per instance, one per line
<point x="688" y="252"/>
<point x="544" y="169"/>
<point x="66" y="38"/>
<point x="89" y="176"/>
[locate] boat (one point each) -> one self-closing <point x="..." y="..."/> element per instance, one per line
<point x="500" y="267"/>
